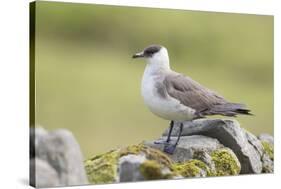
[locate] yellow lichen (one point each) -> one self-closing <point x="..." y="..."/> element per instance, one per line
<point x="268" y="149"/>
<point x="226" y="163"/>
<point x="191" y="168"/>
<point x="102" y="168"/>
<point x="150" y="153"/>
<point x="151" y="170"/>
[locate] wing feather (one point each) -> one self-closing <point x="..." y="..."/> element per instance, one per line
<point x="192" y="94"/>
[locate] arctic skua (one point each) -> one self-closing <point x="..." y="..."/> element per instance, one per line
<point x="176" y="97"/>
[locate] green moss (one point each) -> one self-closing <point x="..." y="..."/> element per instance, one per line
<point x="151" y="170"/>
<point x="191" y="168"/>
<point x="133" y="149"/>
<point x="226" y="163"/>
<point x="268" y="149"/>
<point x="102" y="168"/>
<point x="150" y="153"/>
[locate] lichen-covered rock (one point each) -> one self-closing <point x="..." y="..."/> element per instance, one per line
<point x="268" y="149"/>
<point x="141" y="162"/>
<point x="102" y="168"/>
<point x="226" y="162"/>
<point x="152" y="170"/>
<point x="268" y="157"/>
<point x="267" y="142"/>
<point x="267" y="138"/>
<point x="192" y="168"/>
<point x="264" y="146"/>
<point x="132" y="163"/>
<point x="188" y="145"/>
<point x="231" y="135"/>
<point x="206" y="148"/>
<point x="205" y="157"/>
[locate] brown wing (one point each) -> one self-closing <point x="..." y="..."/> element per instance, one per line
<point x="192" y="94"/>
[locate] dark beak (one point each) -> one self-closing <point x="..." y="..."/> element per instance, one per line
<point x="138" y="55"/>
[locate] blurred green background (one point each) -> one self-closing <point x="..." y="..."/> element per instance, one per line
<point x="87" y="82"/>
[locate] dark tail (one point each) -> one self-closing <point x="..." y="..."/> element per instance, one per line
<point x="230" y="109"/>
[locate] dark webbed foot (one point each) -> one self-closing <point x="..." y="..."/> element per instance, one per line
<point x="169" y="147"/>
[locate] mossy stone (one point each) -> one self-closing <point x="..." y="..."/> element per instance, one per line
<point x="150" y="153"/>
<point x="102" y="168"/>
<point x="151" y="170"/>
<point x="226" y="163"/>
<point x="268" y="149"/>
<point x="192" y="168"/>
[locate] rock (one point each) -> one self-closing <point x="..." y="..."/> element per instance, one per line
<point x="226" y="162"/>
<point x="61" y="151"/>
<point x="132" y="163"/>
<point x="267" y="164"/>
<point x="207" y="159"/>
<point x="102" y="169"/>
<point x="228" y="133"/>
<point x="141" y="162"/>
<point x="129" y="168"/>
<point x="153" y="170"/>
<point x="267" y="138"/>
<point x="188" y="145"/>
<point x="264" y="148"/>
<point x="139" y="168"/>
<point x="268" y="156"/>
<point x="255" y="142"/>
<point x="206" y="148"/>
<point x="46" y="175"/>
<point x="192" y="168"/>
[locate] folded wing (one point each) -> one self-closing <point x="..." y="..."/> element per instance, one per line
<point x="205" y="101"/>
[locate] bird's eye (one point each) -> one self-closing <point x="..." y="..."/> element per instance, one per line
<point x="151" y="50"/>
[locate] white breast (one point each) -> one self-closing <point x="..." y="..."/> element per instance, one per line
<point x="167" y="108"/>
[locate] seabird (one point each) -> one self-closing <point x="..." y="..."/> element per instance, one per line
<point x="176" y="97"/>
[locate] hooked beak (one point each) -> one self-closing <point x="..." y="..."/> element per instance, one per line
<point x="138" y="55"/>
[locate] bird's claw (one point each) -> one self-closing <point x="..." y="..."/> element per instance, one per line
<point x="161" y="142"/>
<point x="170" y="148"/>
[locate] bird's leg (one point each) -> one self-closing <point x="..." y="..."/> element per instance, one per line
<point x="168" y="137"/>
<point x="179" y="135"/>
<point x="170" y="131"/>
<point x="170" y="148"/>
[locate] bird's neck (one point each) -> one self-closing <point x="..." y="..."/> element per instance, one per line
<point x="155" y="66"/>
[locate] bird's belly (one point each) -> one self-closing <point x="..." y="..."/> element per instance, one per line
<point x="167" y="108"/>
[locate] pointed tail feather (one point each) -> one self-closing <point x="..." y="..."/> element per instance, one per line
<point x="229" y="109"/>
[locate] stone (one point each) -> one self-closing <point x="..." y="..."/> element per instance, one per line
<point x="62" y="152"/>
<point x="226" y="162"/>
<point x="188" y="145"/>
<point x="192" y="168"/>
<point x="129" y="168"/>
<point x="255" y="142"/>
<point x="205" y="157"/>
<point x="267" y="138"/>
<point x="231" y="135"/>
<point x="131" y="163"/>
<point x="264" y="148"/>
<point x="102" y="168"/>
<point x="46" y="175"/>
<point x="268" y="156"/>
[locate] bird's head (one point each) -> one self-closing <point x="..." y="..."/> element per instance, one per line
<point x="154" y="54"/>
